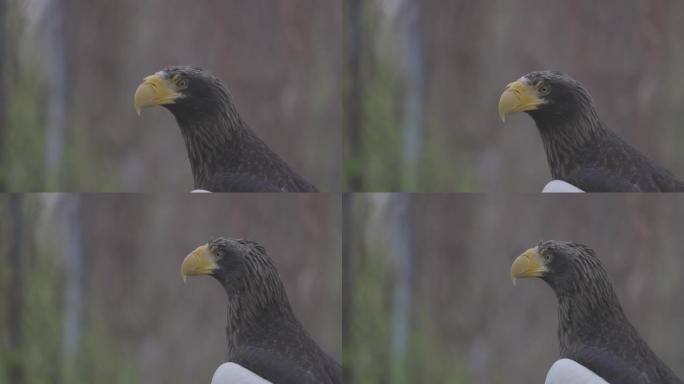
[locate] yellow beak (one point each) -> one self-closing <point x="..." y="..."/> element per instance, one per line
<point x="518" y="97"/>
<point x="529" y="264"/>
<point x="200" y="262"/>
<point x="155" y="89"/>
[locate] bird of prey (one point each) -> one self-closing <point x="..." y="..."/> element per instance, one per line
<point x="596" y="339"/>
<point x="263" y="335"/>
<point x="225" y="154"/>
<point x="580" y="149"/>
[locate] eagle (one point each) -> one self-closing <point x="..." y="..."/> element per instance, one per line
<point x="265" y="341"/>
<point x="598" y="344"/>
<point x="580" y="149"/>
<point x="225" y="154"/>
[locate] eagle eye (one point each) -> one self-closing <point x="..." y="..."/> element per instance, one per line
<point x="544" y="90"/>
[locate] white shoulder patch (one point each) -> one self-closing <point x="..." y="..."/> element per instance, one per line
<point x="560" y="186"/>
<point x="566" y="371"/>
<point x="231" y="373"/>
<point x="200" y="191"/>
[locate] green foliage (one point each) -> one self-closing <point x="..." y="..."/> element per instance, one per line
<point x="367" y="348"/>
<point x="437" y="170"/>
<point x="4" y="281"/>
<point x="79" y="171"/>
<point x="431" y="360"/>
<point x="22" y="162"/>
<point x="42" y="355"/>
<point x="368" y="357"/>
<point x="24" y="135"/>
<point x="100" y="359"/>
<point x="41" y="318"/>
<point x="379" y="162"/>
<point x="369" y="341"/>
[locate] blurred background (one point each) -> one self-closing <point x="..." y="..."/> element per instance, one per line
<point x="91" y="290"/>
<point x="422" y="81"/>
<point x="428" y="295"/>
<point x="69" y="69"/>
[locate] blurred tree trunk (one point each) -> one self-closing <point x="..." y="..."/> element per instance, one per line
<point x="353" y="89"/>
<point x="56" y="74"/>
<point x="347" y="277"/>
<point x="15" y="293"/>
<point x="412" y="56"/>
<point x="3" y="86"/>
<point x="74" y="278"/>
<point x="402" y="247"/>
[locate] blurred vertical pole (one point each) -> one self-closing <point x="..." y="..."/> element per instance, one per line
<point x="3" y="87"/>
<point x="56" y="74"/>
<point x="347" y="278"/>
<point x="402" y="246"/>
<point x="74" y="279"/>
<point x="353" y="89"/>
<point x="15" y="299"/>
<point x="412" y="56"/>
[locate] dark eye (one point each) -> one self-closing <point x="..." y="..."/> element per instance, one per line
<point x="547" y="256"/>
<point x="182" y="83"/>
<point x="544" y="90"/>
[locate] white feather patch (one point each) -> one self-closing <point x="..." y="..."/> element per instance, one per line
<point x="231" y="373"/>
<point x="560" y="186"/>
<point x="566" y="371"/>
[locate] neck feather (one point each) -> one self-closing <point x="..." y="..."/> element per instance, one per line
<point x="210" y="135"/>
<point x="587" y="308"/>
<point x="260" y="303"/>
<point x="566" y="136"/>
